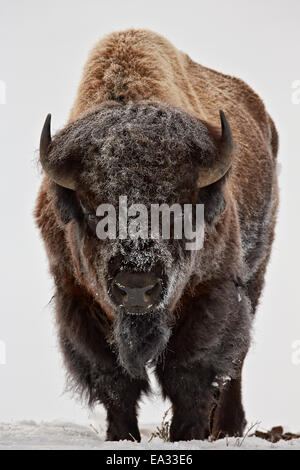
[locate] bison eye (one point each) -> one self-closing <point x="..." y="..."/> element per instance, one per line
<point x="92" y="217"/>
<point x="92" y="221"/>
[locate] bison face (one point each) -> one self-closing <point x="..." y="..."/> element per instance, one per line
<point x="141" y="154"/>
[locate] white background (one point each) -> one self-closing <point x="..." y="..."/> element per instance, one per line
<point x="43" y="46"/>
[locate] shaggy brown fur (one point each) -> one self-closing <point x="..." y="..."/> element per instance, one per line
<point x="144" y="122"/>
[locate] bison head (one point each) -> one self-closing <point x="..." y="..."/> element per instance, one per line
<point x="149" y="153"/>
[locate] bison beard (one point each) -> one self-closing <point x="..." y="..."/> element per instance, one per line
<point x="140" y="339"/>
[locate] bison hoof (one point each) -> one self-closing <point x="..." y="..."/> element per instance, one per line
<point x="187" y="432"/>
<point x="230" y="422"/>
<point x="231" y="429"/>
<point x="122" y="435"/>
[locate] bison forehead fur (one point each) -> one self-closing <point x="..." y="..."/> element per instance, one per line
<point x="160" y="146"/>
<point x="145" y="124"/>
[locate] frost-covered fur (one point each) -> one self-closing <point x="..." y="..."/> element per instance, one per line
<point x="143" y="125"/>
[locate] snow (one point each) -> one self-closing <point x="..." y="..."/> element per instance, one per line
<point x="70" y="436"/>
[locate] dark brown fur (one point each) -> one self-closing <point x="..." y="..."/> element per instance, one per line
<point x="202" y="334"/>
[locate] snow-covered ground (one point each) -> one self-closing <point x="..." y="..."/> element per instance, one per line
<point x="60" y="435"/>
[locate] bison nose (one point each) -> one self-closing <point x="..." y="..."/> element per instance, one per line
<point x="137" y="292"/>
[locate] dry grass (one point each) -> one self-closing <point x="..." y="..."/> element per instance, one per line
<point x="240" y="441"/>
<point x="163" y="431"/>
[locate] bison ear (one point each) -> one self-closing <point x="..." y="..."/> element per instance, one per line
<point x="216" y="171"/>
<point x="67" y="204"/>
<point x="57" y="171"/>
<point x="212" y="197"/>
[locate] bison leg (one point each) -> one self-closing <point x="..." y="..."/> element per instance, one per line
<point x="93" y="366"/>
<point x="122" y="416"/>
<point x="229" y="417"/>
<point x="190" y="391"/>
<point x="208" y="344"/>
<point x="104" y="381"/>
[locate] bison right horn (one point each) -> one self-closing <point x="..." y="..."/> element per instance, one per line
<point x="219" y="169"/>
<point x="53" y="170"/>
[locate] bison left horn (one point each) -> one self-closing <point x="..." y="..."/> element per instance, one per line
<point x="219" y="169"/>
<point x="54" y="171"/>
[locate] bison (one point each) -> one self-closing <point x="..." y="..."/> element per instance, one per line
<point x="150" y="124"/>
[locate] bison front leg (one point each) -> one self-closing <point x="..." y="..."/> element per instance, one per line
<point x="229" y="416"/>
<point x="92" y="365"/>
<point x="101" y="380"/>
<point x="207" y="346"/>
<point x="122" y="411"/>
<point x="191" y="393"/>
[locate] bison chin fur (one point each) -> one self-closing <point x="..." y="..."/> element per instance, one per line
<point x="139" y="340"/>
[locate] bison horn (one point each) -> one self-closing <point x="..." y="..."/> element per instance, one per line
<point x="53" y="171"/>
<point x="219" y="169"/>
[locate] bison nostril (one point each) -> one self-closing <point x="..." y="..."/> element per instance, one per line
<point x="136" y="291"/>
<point x="119" y="293"/>
<point x="120" y="288"/>
<point x="151" y="288"/>
<point x="154" y="289"/>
